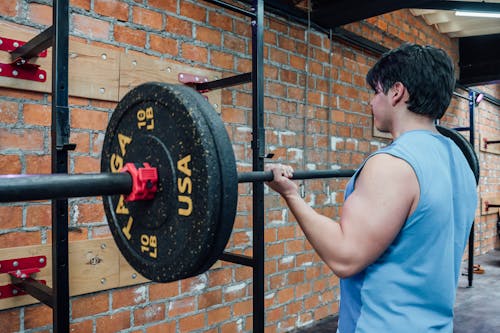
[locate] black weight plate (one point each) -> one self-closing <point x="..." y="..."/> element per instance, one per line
<point x="464" y="146"/>
<point x="167" y="239"/>
<point x="229" y="180"/>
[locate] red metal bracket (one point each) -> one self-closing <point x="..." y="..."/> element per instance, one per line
<point x="10" y="290"/>
<point x="25" y="71"/>
<point x="20" y="68"/>
<point x="23" y="267"/>
<point x="187" y="78"/>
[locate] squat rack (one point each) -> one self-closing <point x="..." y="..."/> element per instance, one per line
<point x="57" y="36"/>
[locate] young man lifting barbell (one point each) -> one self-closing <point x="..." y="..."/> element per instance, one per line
<point x="408" y="209"/>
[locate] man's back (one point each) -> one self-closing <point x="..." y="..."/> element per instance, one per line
<point x="411" y="287"/>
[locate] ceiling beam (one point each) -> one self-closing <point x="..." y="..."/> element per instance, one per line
<point x="337" y="13"/>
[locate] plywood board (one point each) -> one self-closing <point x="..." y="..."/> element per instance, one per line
<point x="138" y="68"/>
<point x="93" y="265"/>
<point x="378" y="134"/>
<point x="492" y="148"/>
<point x="93" y="71"/>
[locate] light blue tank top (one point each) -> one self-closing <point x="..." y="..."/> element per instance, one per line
<point x="411" y="287"/>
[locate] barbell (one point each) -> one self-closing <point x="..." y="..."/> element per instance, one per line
<point x="168" y="180"/>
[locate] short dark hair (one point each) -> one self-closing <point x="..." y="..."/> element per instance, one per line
<point x="426" y="71"/>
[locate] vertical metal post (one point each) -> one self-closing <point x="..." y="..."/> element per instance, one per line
<point x="258" y="149"/>
<point x="470" y="268"/>
<point x="59" y="146"/>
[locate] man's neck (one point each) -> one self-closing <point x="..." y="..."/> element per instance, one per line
<point x="411" y="121"/>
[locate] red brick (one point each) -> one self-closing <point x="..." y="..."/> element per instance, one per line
<point x="14" y="239"/>
<point x="221" y="59"/>
<point x="163" y="290"/>
<point x="231" y="115"/>
<point x="36" y="114"/>
<point x="147" y="18"/>
<point x="129" y="296"/>
<point x="84" y="4"/>
<point x="24" y="139"/>
<point x="90" y="27"/>
<point x="8" y="112"/>
<point x="38" y="13"/>
<point x="193" y="11"/>
<point x="37" y="316"/>
<point x="169" y="6"/>
<point x="82" y="141"/>
<point x="113" y="323"/>
<point x="89" y="212"/>
<point x="243" y="308"/>
<point x="209" y="298"/>
<point x="179" y="27"/>
<point x="194" y="53"/>
<point x="87" y="164"/>
<point x="218" y="315"/>
<point x="89" y="305"/>
<point x="10" y="320"/>
<point x="208" y="35"/>
<point x="11" y="217"/>
<point x="7" y="8"/>
<point x="162" y="328"/>
<point x="89" y="119"/>
<point x="82" y="327"/>
<point x="163" y="45"/>
<point x="112" y="8"/>
<point x="182" y="306"/>
<point x="38" y="215"/>
<point x="38" y="164"/>
<point x="10" y="164"/>
<point x="148" y="314"/>
<point x="192" y="323"/>
<point x="130" y="36"/>
<point x="221" y="21"/>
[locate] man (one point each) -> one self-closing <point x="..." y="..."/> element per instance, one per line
<point x="407" y="211"/>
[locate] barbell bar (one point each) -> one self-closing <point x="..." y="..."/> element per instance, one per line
<point x="15" y="188"/>
<point x="171" y="216"/>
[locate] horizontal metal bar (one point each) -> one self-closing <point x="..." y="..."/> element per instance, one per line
<point x="225" y="82"/>
<point x="491" y="141"/>
<point x="54" y="186"/>
<point x="461" y="129"/>
<point x="36" y="45"/>
<point x="237" y="259"/>
<point x="36" y="289"/>
<point x="235" y="9"/>
<point x="493" y="205"/>
<point x="256" y="176"/>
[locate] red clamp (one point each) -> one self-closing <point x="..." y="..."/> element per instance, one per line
<point x="144" y="182"/>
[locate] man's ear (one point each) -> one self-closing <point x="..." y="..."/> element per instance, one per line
<point x="399" y="93"/>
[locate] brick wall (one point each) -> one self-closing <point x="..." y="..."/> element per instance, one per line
<point x="326" y="125"/>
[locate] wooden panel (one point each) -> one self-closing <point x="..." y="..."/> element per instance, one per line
<point x="492" y="198"/>
<point x="93" y="71"/>
<point x="493" y="148"/>
<point x="94" y="265"/>
<point x="378" y="134"/>
<point x="137" y="68"/>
